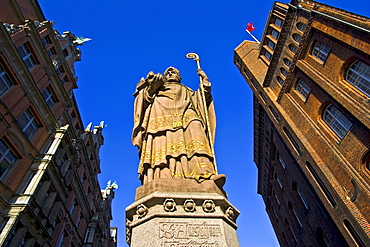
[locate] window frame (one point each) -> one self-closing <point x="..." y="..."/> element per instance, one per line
<point x="275" y="33"/>
<point x="302" y="89"/>
<point x="359" y="75"/>
<point x="31" y="123"/>
<point x="7" y="154"/>
<point x="320" y="51"/>
<point x="49" y="97"/>
<point x="335" y="119"/>
<point x="27" y="56"/>
<point x="5" y="80"/>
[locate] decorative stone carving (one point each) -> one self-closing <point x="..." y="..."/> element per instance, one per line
<point x="230" y="213"/>
<point x="141" y="210"/>
<point x="169" y="205"/>
<point x="189" y="205"/>
<point x="208" y="206"/>
<point x="128" y="231"/>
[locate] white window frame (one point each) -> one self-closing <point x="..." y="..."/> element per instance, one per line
<point x="320" y="51"/>
<point x="303" y="89"/>
<point x="358" y="74"/>
<point x="49" y="97"/>
<point x="336" y="121"/>
<point x="30" y="124"/>
<point x="27" y="56"/>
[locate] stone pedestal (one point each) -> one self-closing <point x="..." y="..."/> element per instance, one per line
<point x="181" y="212"/>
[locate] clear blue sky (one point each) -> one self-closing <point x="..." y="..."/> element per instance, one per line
<point x="131" y="38"/>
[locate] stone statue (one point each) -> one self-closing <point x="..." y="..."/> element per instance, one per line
<point x="170" y="129"/>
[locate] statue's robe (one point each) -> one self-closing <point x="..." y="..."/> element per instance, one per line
<point x="170" y="132"/>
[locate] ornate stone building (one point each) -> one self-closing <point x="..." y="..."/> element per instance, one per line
<point x="310" y="76"/>
<point x="49" y="192"/>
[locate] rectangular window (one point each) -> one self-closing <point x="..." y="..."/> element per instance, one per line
<point x="268" y="55"/>
<point x="5" y="81"/>
<point x="7" y="157"/>
<point x="61" y="241"/>
<point x="271" y="44"/>
<point x="303" y="89"/>
<point x="296" y="216"/>
<point x="274" y="33"/>
<point x="27" y="56"/>
<point x="281" y="161"/>
<point x="49" y="97"/>
<point x="275" y="214"/>
<point x="279" y="182"/>
<point x="46" y="41"/>
<point x="60" y="70"/>
<point x="28" y="124"/>
<point x="277" y="199"/>
<point x="51" y="52"/>
<point x="64" y="80"/>
<point x="320" y="51"/>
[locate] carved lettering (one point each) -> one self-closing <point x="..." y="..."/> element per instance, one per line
<point x="192" y="243"/>
<point x="183" y="230"/>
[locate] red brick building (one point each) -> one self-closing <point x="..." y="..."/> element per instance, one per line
<point x="310" y="76"/>
<point x="49" y="192"/>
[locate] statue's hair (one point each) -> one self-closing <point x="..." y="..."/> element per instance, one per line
<point x="174" y="69"/>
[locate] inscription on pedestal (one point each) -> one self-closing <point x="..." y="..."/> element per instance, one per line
<point x="188" y="234"/>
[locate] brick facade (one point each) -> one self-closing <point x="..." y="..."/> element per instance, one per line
<point x="312" y="122"/>
<point x="49" y="192"/>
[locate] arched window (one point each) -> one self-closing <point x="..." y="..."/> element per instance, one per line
<point x="283" y="71"/>
<point x="358" y="74"/>
<point x="336" y="121"/>
<point x="320" y="51"/>
<point x="280" y="80"/>
<point x="301" y="26"/>
<point x="297" y="38"/>
<point x="287" y="62"/>
<point x="292" y="47"/>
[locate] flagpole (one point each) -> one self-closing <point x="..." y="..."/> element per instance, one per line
<point x="252" y="36"/>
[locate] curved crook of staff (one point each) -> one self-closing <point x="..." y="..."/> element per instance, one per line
<point x="195" y="57"/>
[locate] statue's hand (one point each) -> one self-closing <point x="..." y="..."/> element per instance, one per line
<point x="155" y="81"/>
<point x="204" y="77"/>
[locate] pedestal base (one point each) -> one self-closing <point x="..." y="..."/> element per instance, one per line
<point x="174" y="213"/>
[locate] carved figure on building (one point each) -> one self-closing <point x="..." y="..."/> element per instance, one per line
<point x="170" y="128"/>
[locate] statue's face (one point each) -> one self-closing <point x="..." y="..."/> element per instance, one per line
<point x="172" y="75"/>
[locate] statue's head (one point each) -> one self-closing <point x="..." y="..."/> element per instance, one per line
<point x="172" y="74"/>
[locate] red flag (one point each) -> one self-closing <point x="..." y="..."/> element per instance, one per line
<point x="250" y="27"/>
